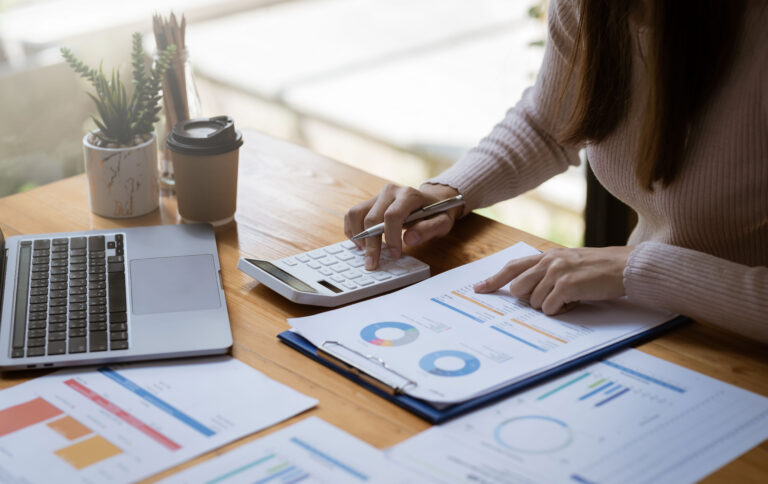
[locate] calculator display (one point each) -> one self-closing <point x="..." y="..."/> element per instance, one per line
<point x="281" y="275"/>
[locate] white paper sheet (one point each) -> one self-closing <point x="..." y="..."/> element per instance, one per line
<point x="120" y="423"/>
<point x="632" y="418"/>
<point x="456" y="344"/>
<point x="310" y="451"/>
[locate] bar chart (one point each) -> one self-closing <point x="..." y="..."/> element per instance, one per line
<point x="511" y="317"/>
<point x="78" y="445"/>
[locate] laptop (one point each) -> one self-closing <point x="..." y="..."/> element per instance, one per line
<point x="105" y="296"/>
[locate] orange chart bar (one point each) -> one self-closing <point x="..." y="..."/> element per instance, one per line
<point x="88" y="452"/>
<point x="25" y="415"/>
<point x="476" y="302"/>
<point x="69" y="428"/>
<point x="539" y="331"/>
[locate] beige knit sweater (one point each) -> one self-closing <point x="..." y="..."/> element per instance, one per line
<point x="701" y="243"/>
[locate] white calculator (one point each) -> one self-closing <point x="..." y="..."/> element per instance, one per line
<point x="334" y="275"/>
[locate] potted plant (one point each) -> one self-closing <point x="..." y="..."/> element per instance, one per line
<point x="121" y="155"/>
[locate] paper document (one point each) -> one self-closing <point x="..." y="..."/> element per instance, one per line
<point x="631" y="418"/>
<point x="439" y="341"/>
<point x="121" y="423"/>
<point x="311" y="451"/>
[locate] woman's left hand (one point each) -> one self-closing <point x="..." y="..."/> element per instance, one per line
<point x="559" y="278"/>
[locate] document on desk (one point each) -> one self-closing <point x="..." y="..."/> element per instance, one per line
<point x="121" y="423"/>
<point x="439" y="341"/>
<point x="631" y="418"/>
<point x="309" y="451"/>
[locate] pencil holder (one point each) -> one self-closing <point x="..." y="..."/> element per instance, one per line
<point x="181" y="102"/>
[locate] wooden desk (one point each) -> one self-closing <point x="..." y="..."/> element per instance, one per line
<point x="291" y="200"/>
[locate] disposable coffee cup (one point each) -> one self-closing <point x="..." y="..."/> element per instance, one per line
<point x="205" y="157"/>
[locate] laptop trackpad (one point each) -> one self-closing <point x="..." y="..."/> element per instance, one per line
<point x="173" y="284"/>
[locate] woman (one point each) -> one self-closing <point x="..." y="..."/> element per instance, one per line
<point x="670" y="100"/>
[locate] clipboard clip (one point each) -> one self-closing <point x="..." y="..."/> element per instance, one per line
<point x="392" y="390"/>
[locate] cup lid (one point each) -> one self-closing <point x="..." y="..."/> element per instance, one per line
<point x="204" y="136"/>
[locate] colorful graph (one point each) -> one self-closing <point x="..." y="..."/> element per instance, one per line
<point x="83" y="452"/>
<point x="533" y="434"/>
<point x="596" y="388"/>
<point x="407" y="333"/>
<point x="430" y="362"/>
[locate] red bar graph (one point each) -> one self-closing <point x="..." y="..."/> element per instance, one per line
<point x="26" y="414"/>
<point x="122" y="415"/>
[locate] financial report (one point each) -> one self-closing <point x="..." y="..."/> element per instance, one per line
<point x="631" y="418"/>
<point x="121" y="423"/>
<point x="439" y="341"/>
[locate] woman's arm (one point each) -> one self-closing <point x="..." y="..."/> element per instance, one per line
<point x="701" y="286"/>
<point x="698" y="285"/>
<point x="521" y="151"/>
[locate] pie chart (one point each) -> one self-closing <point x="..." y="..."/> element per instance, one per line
<point x="533" y="434"/>
<point x="449" y="363"/>
<point x="389" y="333"/>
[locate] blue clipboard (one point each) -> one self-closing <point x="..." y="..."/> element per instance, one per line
<point x="438" y="415"/>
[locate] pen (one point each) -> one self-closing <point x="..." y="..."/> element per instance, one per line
<point x="424" y="212"/>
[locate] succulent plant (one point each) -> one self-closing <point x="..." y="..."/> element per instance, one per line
<point x="123" y="118"/>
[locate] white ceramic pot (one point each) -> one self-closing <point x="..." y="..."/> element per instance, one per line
<point x="122" y="182"/>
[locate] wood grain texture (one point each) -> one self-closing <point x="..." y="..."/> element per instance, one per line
<point x="291" y="200"/>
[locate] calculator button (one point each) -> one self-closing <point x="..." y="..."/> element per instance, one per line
<point x="327" y="261"/>
<point x="338" y="278"/>
<point x="313" y="264"/>
<point x="364" y="281"/>
<point x="334" y="249"/>
<point x="357" y="262"/>
<point x="348" y="244"/>
<point x="302" y="258"/>
<point x="397" y="271"/>
<point x="381" y="276"/>
<point x="349" y="285"/>
<point x="345" y="256"/>
<point x="409" y="263"/>
<point x="351" y="274"/>
<point x="325" y="271"/>
<point x="339" y="267"/>
<point x="317" y="254"/>
<point x="289" y="262"/>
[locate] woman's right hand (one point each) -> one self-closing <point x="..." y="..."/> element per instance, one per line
<point x="392" y="206"/>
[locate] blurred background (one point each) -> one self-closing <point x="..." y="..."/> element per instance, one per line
<point x="399" y="88"/>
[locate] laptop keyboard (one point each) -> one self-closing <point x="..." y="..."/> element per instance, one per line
<point x="70" y="296"/>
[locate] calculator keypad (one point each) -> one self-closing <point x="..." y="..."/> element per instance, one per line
<point x="343" y="264"/>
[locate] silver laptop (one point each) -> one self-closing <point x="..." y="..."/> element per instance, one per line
<point x="102" y="296"/>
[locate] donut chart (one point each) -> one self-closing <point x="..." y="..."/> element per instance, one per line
<point x="428" y="363"/>
<point x="409" y="333"/>
<point x="533" y="434"/>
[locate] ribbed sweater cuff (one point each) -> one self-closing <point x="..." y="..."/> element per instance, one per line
<point x="699" y="285"/>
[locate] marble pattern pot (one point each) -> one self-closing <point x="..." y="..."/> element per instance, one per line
<point x="122" y="182"/>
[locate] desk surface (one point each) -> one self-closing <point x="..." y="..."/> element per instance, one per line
<point x="291" y="200"/>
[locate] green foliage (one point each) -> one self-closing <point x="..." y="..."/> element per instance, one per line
<point x="122" y="118"/>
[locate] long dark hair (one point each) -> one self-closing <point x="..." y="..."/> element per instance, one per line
<point x="691" y="48"/>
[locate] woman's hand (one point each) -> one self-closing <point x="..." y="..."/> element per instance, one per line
<point x="392" y="205"/>
<point x="557" y="279"/>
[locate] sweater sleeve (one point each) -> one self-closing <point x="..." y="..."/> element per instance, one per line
<point x="521" y="151"/>
<point x="700" y="286"/>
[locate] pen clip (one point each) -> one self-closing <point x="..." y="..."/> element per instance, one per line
<point x="441" y="203"/>
<point x="393" y="390"/>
